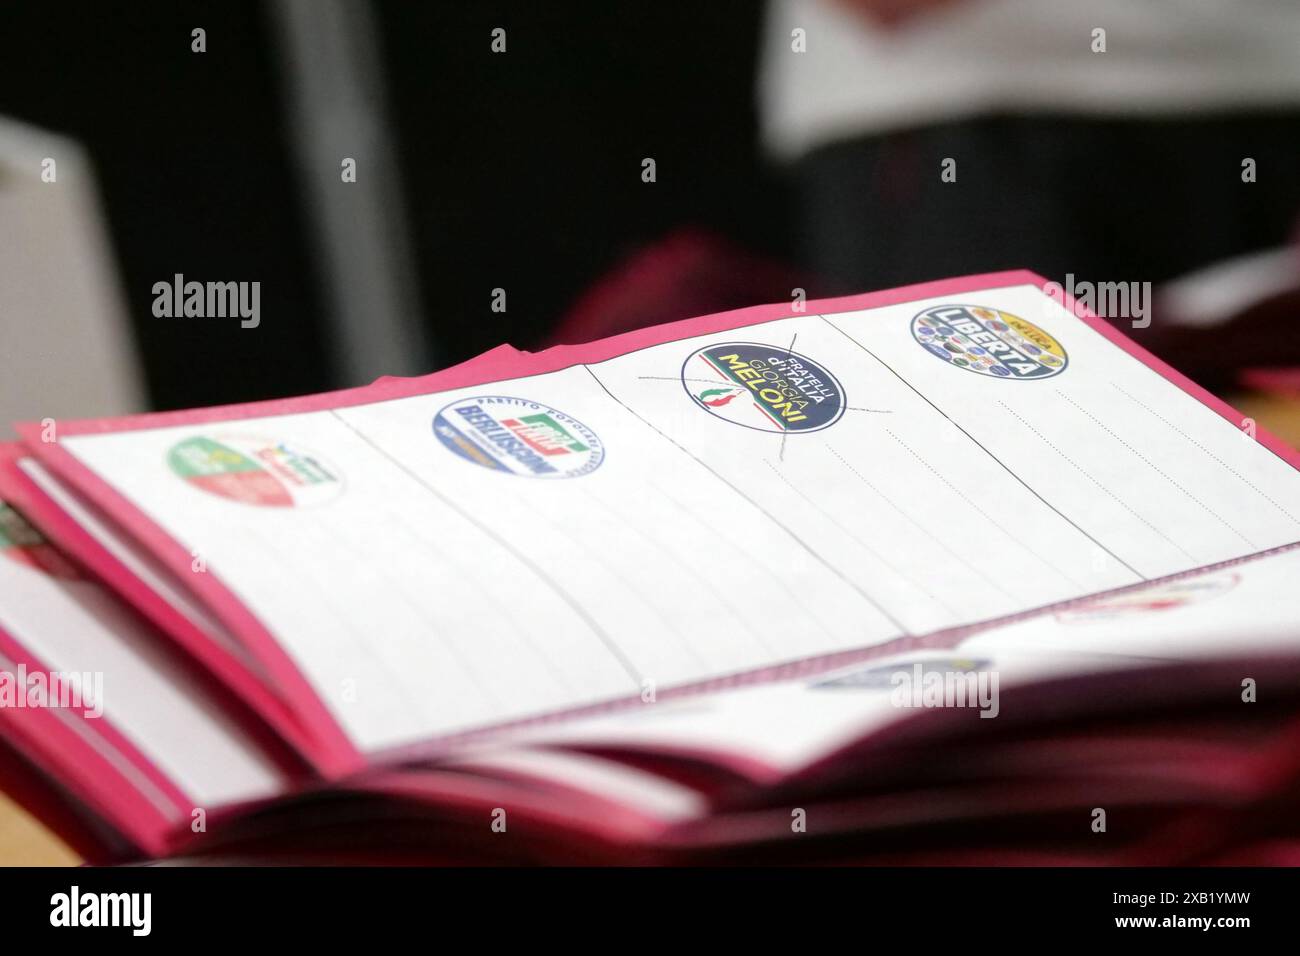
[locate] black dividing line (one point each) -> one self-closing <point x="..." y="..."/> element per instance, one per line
<point x="1232" y="471"/>
<point x="983" y="449"/>
<point x="903" y="632"/>
<point x="1159" y="471"/>
<point x="568" y="598"/>
<point x="919" y="585"/>
<point x="1087" y="474"/>
<point x="789" y="354"/>
<point x="675" y="378"/>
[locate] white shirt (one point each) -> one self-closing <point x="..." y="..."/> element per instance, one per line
<point x="1163" y="57"/>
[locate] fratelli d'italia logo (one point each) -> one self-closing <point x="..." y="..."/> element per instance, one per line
<point x="763" y="386"/>
<point x="519" y="437"/>
<point x="989" y="341"/>
<point x="254" y="471"/>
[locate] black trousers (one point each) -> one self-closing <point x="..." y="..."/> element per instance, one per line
<point x="1106" y="200"/>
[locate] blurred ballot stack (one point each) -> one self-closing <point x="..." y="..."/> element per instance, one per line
<point x="951" y="573"/>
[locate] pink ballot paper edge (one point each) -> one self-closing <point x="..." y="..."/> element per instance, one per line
<point x="142" y="803"/>
<point x="333" y="751"/>
<point x="291" y="718"/>
<point x="226" y="675"/>
<point x="99" y="762"/>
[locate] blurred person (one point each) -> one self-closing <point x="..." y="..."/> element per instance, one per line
<point x="64" y="324"/>
<point x="1107" y="139"/>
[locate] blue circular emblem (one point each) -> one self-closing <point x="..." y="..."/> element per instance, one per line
<point x="518" y="437"/>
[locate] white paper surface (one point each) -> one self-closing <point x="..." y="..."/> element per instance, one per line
<point x="424" y="589"/>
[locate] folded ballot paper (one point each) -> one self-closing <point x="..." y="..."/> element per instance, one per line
<point x="948" y="573"/>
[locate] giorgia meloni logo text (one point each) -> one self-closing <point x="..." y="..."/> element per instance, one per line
<point x="764" y="387"/>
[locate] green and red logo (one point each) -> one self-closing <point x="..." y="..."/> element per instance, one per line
<point x="20" y="542"/>
<point x="254" y="471"/>
<point x="1167" y="596"/>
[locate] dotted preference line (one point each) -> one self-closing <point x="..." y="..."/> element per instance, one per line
<point x="919" y="527"/>
<point x="721" y="534"/>
<point x="987" y="517"/>
<point x="1152" y="465"/>
<point x="1232" y="471"/>
<point x="1043" y="438"/>
<point x="862" y="544"/>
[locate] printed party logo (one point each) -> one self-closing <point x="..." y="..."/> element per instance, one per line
<point x="883" y="676"/>
<point x="763" y="387"/>
<point x="519" y="437"/>
<point x="1157" y="598"/>
<point x="254" y="471"/>
<point x="989" y="341"/>
<point x="22" y="543"/>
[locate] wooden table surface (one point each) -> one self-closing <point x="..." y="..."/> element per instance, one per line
<point x="23" y="841"/>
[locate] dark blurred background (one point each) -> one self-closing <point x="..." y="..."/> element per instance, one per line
<point x="523" y="172"/>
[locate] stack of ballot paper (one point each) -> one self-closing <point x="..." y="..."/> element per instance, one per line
<point x="948" y="573"/>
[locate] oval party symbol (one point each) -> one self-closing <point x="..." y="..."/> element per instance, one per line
<point x="254" y="471"/>
<point x="21" y="542"/>
<point x="1168" y="596"/>
<point x="765" y="387"/>
<point x="518" y="437"/>
<point x="989" y="341"/>
<point x="881" y="676"/>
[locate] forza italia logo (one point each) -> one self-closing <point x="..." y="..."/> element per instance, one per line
<point x="763" y="387"/>
<point x="518" y="437"/>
